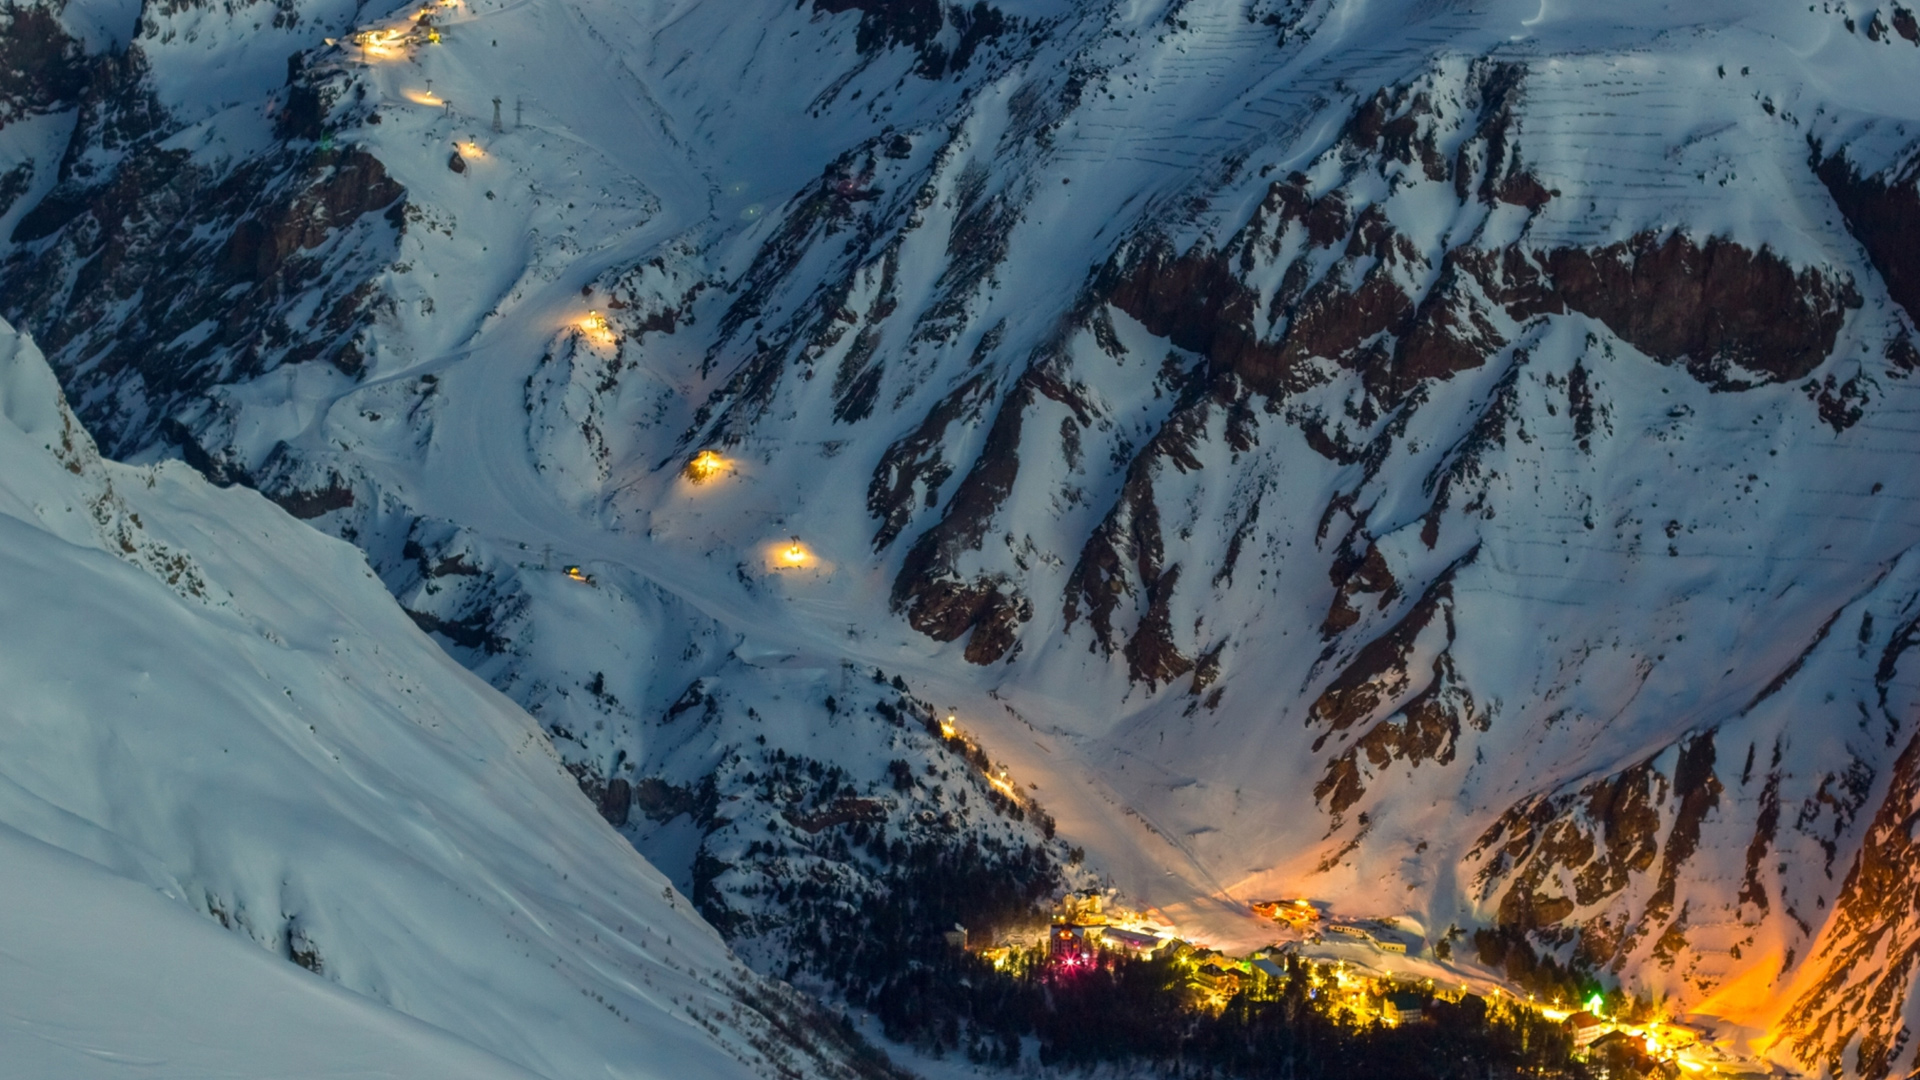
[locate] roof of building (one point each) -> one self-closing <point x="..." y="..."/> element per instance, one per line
<point x="1135" y="938"/>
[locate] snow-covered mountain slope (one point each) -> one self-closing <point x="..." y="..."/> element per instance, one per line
<point x="212" y="712"/>
<point x="107" y="979"/>
<point x="1446" y="458"/>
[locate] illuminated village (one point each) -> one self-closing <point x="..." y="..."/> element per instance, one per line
<point x="1607" y="1035"/>
<point x="1356" y="975"/>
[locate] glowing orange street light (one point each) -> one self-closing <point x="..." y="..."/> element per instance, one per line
<point x="947" y="727"/>
<point x="794" y="554"/>
<point x="470" y="149"/>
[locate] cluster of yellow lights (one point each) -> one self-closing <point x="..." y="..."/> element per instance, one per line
<point x="950" y="729"/>
<point x="470" y="149"/>
<point x="705" y="466"/>
<point x="594" y="326"/>
<point x="386" y="44"/>
<point x="795" y="553"/>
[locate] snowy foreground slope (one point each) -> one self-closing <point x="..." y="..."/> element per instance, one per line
<point x="214" y="713"/>
<point x="1451" y="459"/>
<point x="106" y="979"/>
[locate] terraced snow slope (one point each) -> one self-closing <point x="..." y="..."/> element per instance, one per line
<point x="1450" y="459"/>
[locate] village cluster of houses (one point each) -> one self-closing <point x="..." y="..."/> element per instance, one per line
<point x="1654" y="1043"/>
<point x="1086" y="924"/>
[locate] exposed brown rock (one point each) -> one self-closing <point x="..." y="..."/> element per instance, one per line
<point x="1152" y="657"/>
<point x="1752" y="889"/>
<point x="237" y="251"/>
<point x="1698" y="790"/>
<point x="42" y="67"/>
<point x="1124" y="561"/>
<point x="841" y="812"/>
<point x="916" y="462"/>
<point x="1870" y="953"/>
<point x="1840" y="404"/>
<point x="1580" y="404"/>
<point x="1883" y="213"/>
<point x="1369" y="576"/>
<point x="1523" y="189"/>
<point x="1452" y="331"/>
<point x="473" y="632"/>
<point x="1193" y="300"/>
<point x="1719" y="308"/>
<point x="1378" y="673"/>
<point x="337" y="495"/>
<point x="1425" y="729"/>
<point x="353" y="185"/>
<point x="1732" y="316"/>
<point x="996" y="623"/>
<point x="616" y="802"/>
<point x="1399" y="123"/>
<point x="1603" y="837"/>
<point x="928" y="588"/>
<point x="916" y="23"/>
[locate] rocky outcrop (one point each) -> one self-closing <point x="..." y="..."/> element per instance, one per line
<point x="1733" y="316"/>
<point x="919" y="24"/>
<point x="913" y="469"/>
<point x="42" y="66"/>
<point x="1870" y="954"/>
<point x="1557" y="860"/>
<point x="240" y="273"/>
<point x="1123" y="575"/>
<point x="1883" y="213"/>
<point x="1369" y="576"/>
<point x="938" y="602"/>
<point x="315" y="502"/>
<point x="1402" y="710"/>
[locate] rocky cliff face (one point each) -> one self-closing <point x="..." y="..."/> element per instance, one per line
<point x="1450" y="461"/>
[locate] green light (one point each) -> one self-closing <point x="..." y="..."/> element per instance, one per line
<point x="1593" y="1004"/>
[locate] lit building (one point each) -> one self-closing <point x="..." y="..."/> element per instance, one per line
<point x="1586" y="1027"/>
<point x="1133" y="941"/>
<point x="705" y="466"/>
<point x="1405" y="1007"/>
